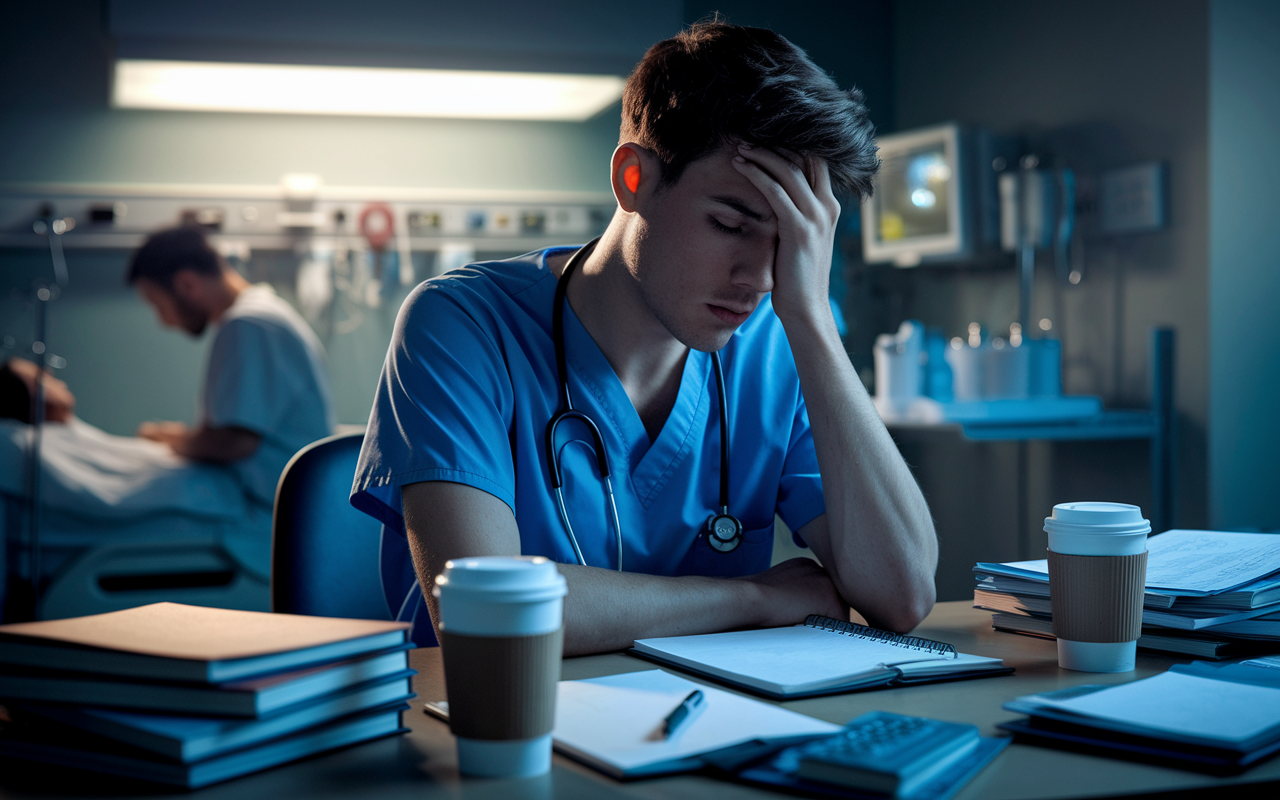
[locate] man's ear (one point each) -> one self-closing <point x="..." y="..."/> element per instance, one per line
<point x="635" y="175"/>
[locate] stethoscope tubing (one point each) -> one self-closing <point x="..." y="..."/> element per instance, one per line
<point x="567" y="411"/>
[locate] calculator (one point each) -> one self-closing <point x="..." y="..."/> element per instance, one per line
<point x="890" y="754"/>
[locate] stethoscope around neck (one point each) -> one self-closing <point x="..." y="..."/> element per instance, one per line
<point x="723" y="531"/>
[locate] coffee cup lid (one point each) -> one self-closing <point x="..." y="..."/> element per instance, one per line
<point x="1098" y="518"/>
<point x="523" y="578"/>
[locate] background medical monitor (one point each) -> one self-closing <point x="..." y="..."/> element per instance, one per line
<point x="916" y="211"/>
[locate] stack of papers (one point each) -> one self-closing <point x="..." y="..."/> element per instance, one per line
<point x="1209" y="594"/>
<point x="1199" y="716"/>
<point x="188" y="696"/>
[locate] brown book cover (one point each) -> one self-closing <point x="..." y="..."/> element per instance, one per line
<point x="182" y="642"/>
<point x="174" y="630"/>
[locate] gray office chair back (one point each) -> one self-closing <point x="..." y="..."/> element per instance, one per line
<point x="325" y="556"/>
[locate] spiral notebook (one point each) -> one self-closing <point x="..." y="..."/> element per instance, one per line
<point x="820" y="656"/>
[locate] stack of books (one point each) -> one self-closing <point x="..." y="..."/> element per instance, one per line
<point x="1209" y="594"/>
<point x="1209" y="717"/>
<point x="189" y="696"/>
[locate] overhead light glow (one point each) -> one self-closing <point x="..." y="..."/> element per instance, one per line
<point x="360" y="91"/>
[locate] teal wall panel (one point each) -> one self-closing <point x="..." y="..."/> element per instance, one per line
<point x="1244" y="269"/>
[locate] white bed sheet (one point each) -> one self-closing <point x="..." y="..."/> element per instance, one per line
<point x="96" y="487"/>
<point x="92" y="473"/>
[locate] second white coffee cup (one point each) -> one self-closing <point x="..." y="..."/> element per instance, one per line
<point x="503" y="617"/>
<point x="1097" y="529"/>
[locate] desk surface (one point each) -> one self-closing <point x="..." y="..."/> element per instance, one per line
<point x="423" y="764"/>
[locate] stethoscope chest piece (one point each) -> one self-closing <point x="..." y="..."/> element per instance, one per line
<point x="724" y="533"/>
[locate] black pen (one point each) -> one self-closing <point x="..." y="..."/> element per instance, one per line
<point x="684" y="713"/>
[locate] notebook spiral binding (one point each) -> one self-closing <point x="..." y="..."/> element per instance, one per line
<point x="876" y="635"/>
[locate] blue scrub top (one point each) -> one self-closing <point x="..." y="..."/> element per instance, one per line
<point x="470" y="383"/>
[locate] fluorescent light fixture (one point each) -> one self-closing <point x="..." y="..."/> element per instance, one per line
<point x="360" y="91"/>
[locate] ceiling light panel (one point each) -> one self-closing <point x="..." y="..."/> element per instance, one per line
<point x="360" y="91"/>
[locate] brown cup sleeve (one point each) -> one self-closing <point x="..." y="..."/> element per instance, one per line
<point x="1097" y="598"/>
<point x="502" y="687"/>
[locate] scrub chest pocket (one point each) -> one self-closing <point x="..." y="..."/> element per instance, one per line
<point x="753" y="556"/>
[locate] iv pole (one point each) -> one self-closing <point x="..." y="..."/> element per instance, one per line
<point x="1045" y="217"/>
<point x="26" y="601"/>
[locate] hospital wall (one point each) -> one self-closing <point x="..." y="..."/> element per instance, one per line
<point x="1244" y="263"/>
<point x="57" y="127"/>
<point x="1091" y="85"/>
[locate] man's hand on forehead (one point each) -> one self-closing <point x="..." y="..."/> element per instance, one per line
<point x="799" y="192"/>
<point x="808" y="166"/>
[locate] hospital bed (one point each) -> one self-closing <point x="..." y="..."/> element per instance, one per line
<point x="124" y="522"/>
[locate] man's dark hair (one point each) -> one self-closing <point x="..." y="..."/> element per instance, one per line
<point x="168" y="251"/>
<point x="718" y="84"/>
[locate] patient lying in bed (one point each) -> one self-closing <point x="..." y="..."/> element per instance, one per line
<point x="265" y="395"/>
<point x="96" y="487"/>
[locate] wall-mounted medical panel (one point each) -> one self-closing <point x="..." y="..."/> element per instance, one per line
<point x="276" y="218"/>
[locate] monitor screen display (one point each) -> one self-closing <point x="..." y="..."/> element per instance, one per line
<point x="912" y="194"/>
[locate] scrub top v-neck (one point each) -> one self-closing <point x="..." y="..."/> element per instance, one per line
<point x="469" y="384"/>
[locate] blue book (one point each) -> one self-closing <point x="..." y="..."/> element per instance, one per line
<point x="189" y="739"/>
<point x="116" y="759"/>
<point x="251" y="698"/>
<point x="176" y="642"/>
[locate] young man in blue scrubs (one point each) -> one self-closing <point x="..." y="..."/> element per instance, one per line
<point x="732" y="148"/>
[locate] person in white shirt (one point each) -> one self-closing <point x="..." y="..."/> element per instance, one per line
<point x="266" y="389"/>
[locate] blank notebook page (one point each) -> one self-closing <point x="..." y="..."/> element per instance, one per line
<point x="771" y="654"/>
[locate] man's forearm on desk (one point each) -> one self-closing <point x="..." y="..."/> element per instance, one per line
<point x="606" y="609"/>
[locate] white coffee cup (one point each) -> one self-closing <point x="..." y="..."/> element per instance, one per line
<point x="502" y="635"/>
<point x="1097" y="529"/>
